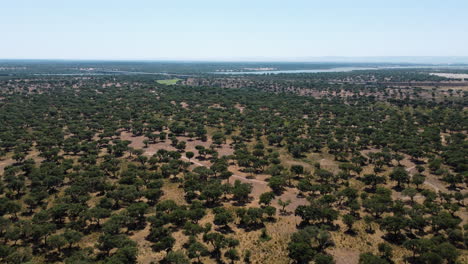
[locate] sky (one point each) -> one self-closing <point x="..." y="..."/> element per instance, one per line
<point x="231" y="30"/>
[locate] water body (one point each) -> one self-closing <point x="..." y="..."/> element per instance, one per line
<point x="340" y="69"/>
<point x="100" y="73"/>
<point x="337" y="69"/>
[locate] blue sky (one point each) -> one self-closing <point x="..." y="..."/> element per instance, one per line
<point x="237" y="29"/>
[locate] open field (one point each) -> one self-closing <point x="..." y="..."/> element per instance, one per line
<point x="169" y="81"/>
<point x="452" y="75"/>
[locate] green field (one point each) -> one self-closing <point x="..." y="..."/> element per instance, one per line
<point x="169" y="81"/>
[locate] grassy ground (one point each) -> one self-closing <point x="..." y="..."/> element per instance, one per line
<point x="347" y="247"/>
<point x="169" y="81"/>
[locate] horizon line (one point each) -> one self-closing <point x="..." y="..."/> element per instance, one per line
<point x="307" y="59"/>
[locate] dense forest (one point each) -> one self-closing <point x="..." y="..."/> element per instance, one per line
<point x="274" y="169"/>
<point x="379" y="84"/>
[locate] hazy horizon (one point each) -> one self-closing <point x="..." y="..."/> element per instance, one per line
<point x="436" y="60"/>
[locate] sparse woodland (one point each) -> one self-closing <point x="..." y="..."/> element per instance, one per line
<point x="121" y="169"/>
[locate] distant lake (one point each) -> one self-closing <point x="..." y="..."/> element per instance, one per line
<point x="338" y="69"/>
<point x="342" y="69"/>
<point x="98" y="73"/>
<point x="347" y="69"/>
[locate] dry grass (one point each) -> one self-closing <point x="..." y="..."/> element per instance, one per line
<point x="173" y="192"/>
<point x="347" y="247"/>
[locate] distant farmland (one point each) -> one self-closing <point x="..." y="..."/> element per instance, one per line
<point x="169" y="81"/>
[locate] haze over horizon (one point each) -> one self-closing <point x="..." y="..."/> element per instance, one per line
<point x="418" y="31"/>
<point x="422" y="60"/>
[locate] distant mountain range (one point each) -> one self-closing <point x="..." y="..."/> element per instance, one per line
<point x="396" y="59"/>
<point x="436" y="60"/>
<point x="448" y="60"/>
